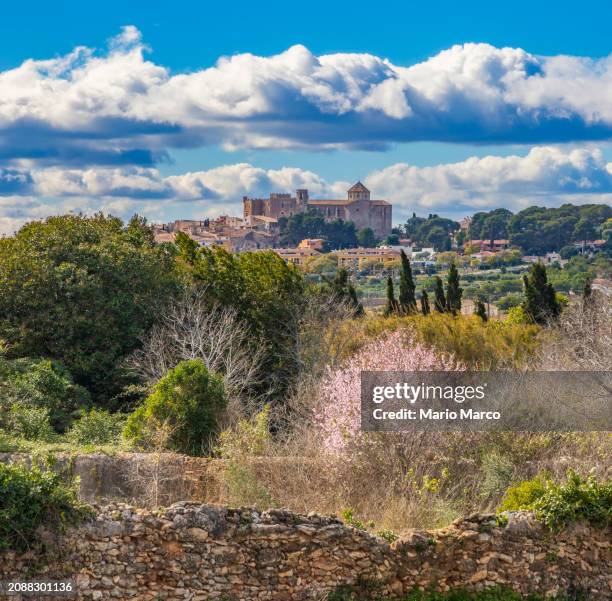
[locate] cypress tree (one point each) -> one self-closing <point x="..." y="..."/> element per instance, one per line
<point x="481" y="310"/>
<point x="407" y="299"/>
<point x="540" y="302"/>
<point x="440" y="301"/>
<point x="425" y="303"/>
<point x="453" y="290"/>
<point x="587" y="293"/>
<point x="391" y="307"/>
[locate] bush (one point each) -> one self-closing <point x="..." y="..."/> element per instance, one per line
<point x="31" y="423"/>
<point x="31" y="499"/>
<point x="97" y="427"/>
<point x="187" y="402"/>
<point x="578" y="499"/>
<point x="250" y="437"/>
<point x="42" y="384"/>
<point x="523" y="495"/>
<point x="558" y="505"/>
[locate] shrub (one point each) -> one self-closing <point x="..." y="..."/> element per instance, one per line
<point x="97" y="427"/>
<point x="188" y="401"/>
<point x="557" y="505"/>
<point x="31" y="423"/>
<point x="250" y="437"/>
<point x="523" y="495"/>
<point x="578" y="499"/>
<point x="31" y="499"/>
<point x="497" y="471"/>
<point x="43" y="384"/>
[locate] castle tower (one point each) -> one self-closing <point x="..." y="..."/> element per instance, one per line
<point x="358" y="192"/>
<point x="301" y="196"/>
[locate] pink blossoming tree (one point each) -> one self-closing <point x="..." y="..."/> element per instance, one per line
<point x="338" y="417"/>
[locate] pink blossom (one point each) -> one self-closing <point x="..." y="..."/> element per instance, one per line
<point x="338" y="417"/>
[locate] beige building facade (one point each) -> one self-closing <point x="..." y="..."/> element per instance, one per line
<point x="357" y="207"/>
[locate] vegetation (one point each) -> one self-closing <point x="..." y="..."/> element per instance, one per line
<point x="188" y="403"/>
<point x="93" y="289"/>
<point x="433" y="231"/>
<point x="557" y="505"/>
<point x="368" y="591"/>
<point x="541" y="304"/>
<point x="311" y="224"/>
<point x="31" y="499"/>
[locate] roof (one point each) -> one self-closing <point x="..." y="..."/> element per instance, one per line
<point x="358" y="187"/>
<point x="343" y="202"/>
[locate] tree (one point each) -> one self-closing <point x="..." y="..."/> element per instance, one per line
<point x="587" y="293"/>
<point x="480" y="310"/>
<point x="440" y="299"/>
<point x="82" y="291"/>
<point x="366" y="237"/>
<point x="344" y="291"/>
<point x="267" y="294"/>
<point x="189" y="400"/>
<point x="453" y="290"/>
<point x="407" y="300"/>
<point x="540" y="304"/>
<point x="391" y="307"/>
<point x="425" y="303"/>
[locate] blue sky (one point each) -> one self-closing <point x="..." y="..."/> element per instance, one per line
<point x="93" y="141"/>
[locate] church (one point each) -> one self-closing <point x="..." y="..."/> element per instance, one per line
<point x="357" y="207"/>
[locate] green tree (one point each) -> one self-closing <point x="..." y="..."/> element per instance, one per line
<point x="453" y="290"/>
<point x="440" y="298"/>
<point x="188" y="402"/>
<point x="480" y="310"/>
<point x="44" y="385"/>
<point x="391" y="306"/>
<point x="366" y="237"/>
<point x="343" y="290"/>
<point x="540" y="304"/>
<point x="407" y="299"/>
<point x="267" y="294"/>
<point x="425" y="310"/>
<point x="81" y="291"/>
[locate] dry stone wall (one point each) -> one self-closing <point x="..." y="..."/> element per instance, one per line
<point x="194" y="551"/>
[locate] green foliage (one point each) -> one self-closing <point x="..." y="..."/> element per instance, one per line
<point x="33" y="498"/>
<point x="541" y="303"/>
<point x="431" y="231"/>
<point x="538" y="230"/>
<point x="97" y="427"/>
<point x="366" y="237"/>
<point x="43" y="385"/>
<point x="425" y="309"/>
<point x="491" y="225"/>
<point x="391" y="307"/>
<point x="480" y="310"/>
<point x="187" y="402"/>
<point x="558" y="505"/>
<point x="524" y="494"/>
<point x="407" y="299"/>
<point x="453" y="290"/>
<point x="82" y="291"/>
<point x="267" y="295"/>
<point x="578" y="499"/>
<point x="440" y="298"/>
<point x="31" y="423"/>
<point x="248" y="438"/>
<point x="343" y="290"/>
<point x="312" y="224"/>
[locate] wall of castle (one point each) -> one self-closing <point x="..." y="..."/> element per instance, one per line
<point x="193" y="551"/>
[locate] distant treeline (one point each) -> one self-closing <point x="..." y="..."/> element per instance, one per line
<point x="538" y="230"/>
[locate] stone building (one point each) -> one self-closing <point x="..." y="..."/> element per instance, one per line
<point x="357" y="207"/>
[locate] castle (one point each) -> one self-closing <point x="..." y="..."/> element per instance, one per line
<point x="357" y="207"/>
